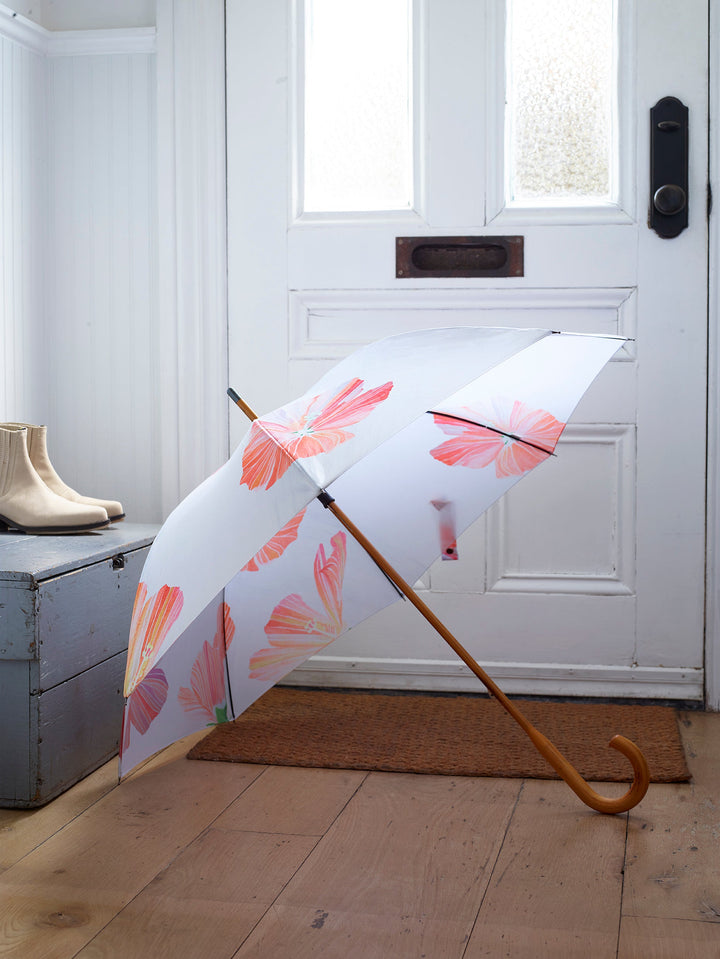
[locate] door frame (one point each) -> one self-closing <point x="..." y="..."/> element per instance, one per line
<point x="712" y="584"/>
<point x="191" y="339"/>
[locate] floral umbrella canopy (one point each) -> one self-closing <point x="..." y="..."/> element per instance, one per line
<point x="414" y="436"/>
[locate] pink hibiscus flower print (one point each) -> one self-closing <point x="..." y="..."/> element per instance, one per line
<point x="151" y="619"/>
<point x="320" y="427"/>
<point x="295" y="621"/>
<point x="277" y="545"/>
<point x="144" y="704"/>
<point x="206" y="693"/>
<point x="514" y="437"/>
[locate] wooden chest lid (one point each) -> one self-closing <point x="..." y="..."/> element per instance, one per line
<point x="31" y="559"/>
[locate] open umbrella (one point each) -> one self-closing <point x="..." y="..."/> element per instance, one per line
<point x="331" y="506"/>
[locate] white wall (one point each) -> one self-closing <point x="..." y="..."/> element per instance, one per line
<point x="23" y="200"/>
<point x="192" y="261"/>
<point x="101" y="310"/>
<point x="78" y="317"/>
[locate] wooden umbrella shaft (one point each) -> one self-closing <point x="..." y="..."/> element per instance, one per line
<point x="561" y="765"/>
<point x="437" y="624"/>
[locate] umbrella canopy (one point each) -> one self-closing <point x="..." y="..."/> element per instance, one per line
<point x="414" y="437"/>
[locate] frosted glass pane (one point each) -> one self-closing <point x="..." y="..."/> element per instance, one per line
<point x="560" y="99"/>
<point x="357" y="137"/>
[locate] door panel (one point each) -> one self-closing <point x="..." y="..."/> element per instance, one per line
<point x="588" y="576"/>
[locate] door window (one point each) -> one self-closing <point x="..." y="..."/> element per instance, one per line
<point x="356" y="90"/>
<point x="356" y="115"/>
<point x="560" y="115"/>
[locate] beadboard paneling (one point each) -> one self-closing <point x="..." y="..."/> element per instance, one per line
<point x="122" y="270"/>
<point x="192" y="241"/>
<point x="78" y="261"/>
<point x="23" y="149"/>
<point x="102" y="391"/>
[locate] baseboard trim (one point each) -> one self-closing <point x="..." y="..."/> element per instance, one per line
<point x="530" y="679"/>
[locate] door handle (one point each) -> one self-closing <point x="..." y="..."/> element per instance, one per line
<point x="668" y="167"/>
<point x="669" y="199"/>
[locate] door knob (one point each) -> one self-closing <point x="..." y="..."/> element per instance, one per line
<point x="669" y="199"/>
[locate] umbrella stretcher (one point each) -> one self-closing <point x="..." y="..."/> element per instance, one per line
<point x="331" y="506"/>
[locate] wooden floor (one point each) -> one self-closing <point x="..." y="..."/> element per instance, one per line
<point x="197" y="860"/>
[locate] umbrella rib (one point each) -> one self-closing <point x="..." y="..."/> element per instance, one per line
<point x="494" y="429"/>
<point x="227" y="665"/>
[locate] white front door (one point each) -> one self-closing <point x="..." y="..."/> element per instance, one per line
<point x="588" y="577"/>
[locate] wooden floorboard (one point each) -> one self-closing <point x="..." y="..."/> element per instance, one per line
<point x="401" y="873"/>
<point x="673" y="849"/>
<point x="557" y="886"/>
<point x="62" y="893"/>
<point x="668" y="939"/>
<point x="291" y="801"/>
<point x="194" y="859"/>
<point x="24" y="830"/>
<point x="207" y="901"/>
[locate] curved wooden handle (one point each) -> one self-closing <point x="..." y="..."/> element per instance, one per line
<point x="591" y="798"/>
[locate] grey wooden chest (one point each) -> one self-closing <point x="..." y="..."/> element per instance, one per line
<point x="65" y="609"/>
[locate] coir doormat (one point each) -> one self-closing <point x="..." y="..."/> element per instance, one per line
<point x="455" y="735"/>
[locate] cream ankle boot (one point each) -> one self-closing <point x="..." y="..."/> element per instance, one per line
<point x="37" y="449"/>
<point x="25" y="501"/>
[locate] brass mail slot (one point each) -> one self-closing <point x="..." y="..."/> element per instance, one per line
<point x="430" y="256"/>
